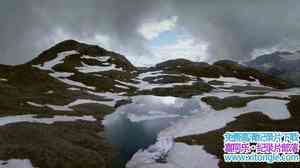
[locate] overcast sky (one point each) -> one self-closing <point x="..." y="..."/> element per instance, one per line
<point x="150" y="31"/>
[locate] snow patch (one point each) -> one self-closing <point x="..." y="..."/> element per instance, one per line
<point x="69" y="106"/>
<point x="96" y="68"/>
<point x="35" y="104"/>
<point x="58" y="60"/>
<point x="112" y="98"/>
<point x="3" y="80"/>
<point x="183" y="155"/>
<point x="121" y="86"/>
<point x="201" y="122"/>
<point x="152" y="154"/>
<point x="61" y="74"/>
<point x="73" y="89"/>
<point x="16" y="163"/>
<point x="231" y="81"/>
<point x="177" y="155"/>
<point x="31" y="118"/>
<point x="50" y="92"/>
<point x="98" y="58"/>
<point x="75" y="83"/>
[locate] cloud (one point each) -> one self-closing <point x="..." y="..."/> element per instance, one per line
<point x="231" y="29"/>
<point x="28" y="27"/>
<point x="151" y="30"/>
<point x="235" y="28"/>
<point x="184" y="47"/>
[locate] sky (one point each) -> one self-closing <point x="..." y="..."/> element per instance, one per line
<point x="148" y="32"/>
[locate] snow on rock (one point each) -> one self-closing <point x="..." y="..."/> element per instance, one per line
<point x="177" y="155"/>
<point x="87" y="101"/>
<point x="31" y="118"/>
<point x="98" y="58"/>
<point x="61" y="74"/>
<point x="16" y="163"/>
<point x="152" y="154"/>
<point x="122" y="87"/>
<point x="58" y="60"/>
<point x="144" y="85"/>
<point x="3" y="80"/>
<point x="150" y="74"/>
<point x="141" y="84"/>
<point x="50" y="92"/>
<point x="284" y="93"/>
<point x="160" y="73"/>
<point x="112" y="98"/>
<point x="182" y="155"/>
<point x="35" y="104"/>
<point x="75" y="83"/>
<point x="231" y="81"/>
<point x="73" y="89"/>
<point x="58" y="107"/>
<point x="96" y="68"/>
<point x="77" y="102"/>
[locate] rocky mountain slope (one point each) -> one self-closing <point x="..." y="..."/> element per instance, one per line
<point x="51" y="108"/>
<point x="285" y="65"/>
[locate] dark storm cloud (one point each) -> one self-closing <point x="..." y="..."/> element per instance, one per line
<point x="27" y="27"/>
<point x="233" y="28"/>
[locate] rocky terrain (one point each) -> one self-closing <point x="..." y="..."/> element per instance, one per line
<point x="51" y="108"/>
<point x="284" y="65"/>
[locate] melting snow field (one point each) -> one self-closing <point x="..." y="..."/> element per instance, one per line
<point x="231" y="81"/>
<point x="110" y="100"/>
<point x="144" y="85"/>
<point x="92" y="69"/>
<point x="180" y="155"/>
<point x="99" y="58"/>
<point x="58" y="60"/>
<point x="202" y="123"/>
<point x="149" y="107"/>
<point x="69" y="106"/>
<point x="30" y="118"/>
<point x="16" y="163"/>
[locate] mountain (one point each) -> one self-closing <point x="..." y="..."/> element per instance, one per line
<point x="285" y="65"/>
<point x="53" y="108"/>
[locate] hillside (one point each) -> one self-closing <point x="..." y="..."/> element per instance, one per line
<point x="57" y="110"/>
<point x="284" y="65"/>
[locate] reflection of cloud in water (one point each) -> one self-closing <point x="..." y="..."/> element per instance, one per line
<point x="135" y="126"/>
<point x="154" y="107"/>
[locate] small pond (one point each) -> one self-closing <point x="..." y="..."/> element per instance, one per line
<point x="135" y="126"/>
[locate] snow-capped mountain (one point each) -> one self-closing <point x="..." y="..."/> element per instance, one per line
<point x="72" y="106"/>
<point x="285" y="65"/>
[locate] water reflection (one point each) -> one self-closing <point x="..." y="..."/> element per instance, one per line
<point x="135" y="126"/>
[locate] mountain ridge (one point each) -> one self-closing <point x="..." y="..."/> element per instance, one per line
<point x="79" y="84"/>
<point x="282" y="64"/>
